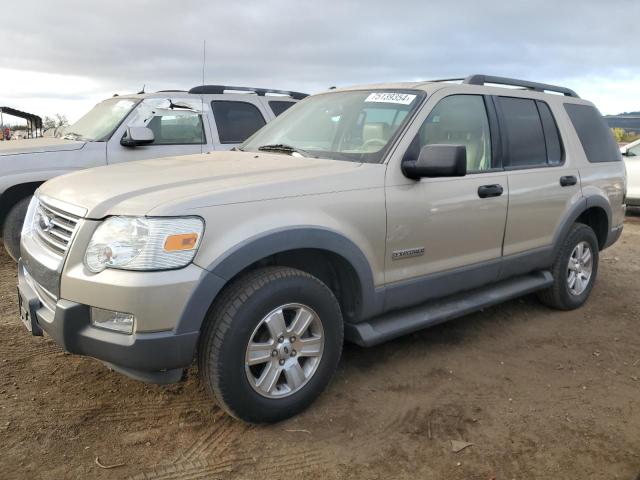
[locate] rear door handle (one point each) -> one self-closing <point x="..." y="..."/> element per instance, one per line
<point x="568" y="180"/>
<point x="486" y="191"/>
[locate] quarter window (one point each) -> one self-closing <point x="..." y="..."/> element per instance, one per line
<point x="526" y="144"/>
<point x="458" y="120"/>
<point x="279" y="106"/>
<point x="236" y="121"/>
<point x="595" y="136"/>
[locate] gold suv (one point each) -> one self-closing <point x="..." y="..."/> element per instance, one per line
<point x="361" y="213"/>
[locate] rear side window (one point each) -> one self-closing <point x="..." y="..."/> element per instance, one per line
<point x="596" y="138"/>
<point x="236" y="121"/>
<point x="526" y="144"/>
<point x="279" y="106"/>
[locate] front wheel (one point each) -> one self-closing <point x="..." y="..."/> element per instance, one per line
<point x="271" y="344"/>
<point x="574" y="270"/>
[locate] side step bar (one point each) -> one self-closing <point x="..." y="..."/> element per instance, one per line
<point x="401" y="322"/>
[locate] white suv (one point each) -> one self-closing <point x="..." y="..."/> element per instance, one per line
<point x="631" y="155"/>
<point x="133" y="127"/>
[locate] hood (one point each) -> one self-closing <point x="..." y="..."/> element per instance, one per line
<point x="38" y="145"/>
<point x="180" y="185"/>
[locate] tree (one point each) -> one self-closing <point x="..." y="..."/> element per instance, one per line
<point x="48" y="123"/>
<point x="61" y="120"/>
<point x="58" y="121"/>
<point x="618" y="134"/>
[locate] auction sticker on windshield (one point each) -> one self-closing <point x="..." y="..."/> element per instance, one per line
<point x="391" y="97"/>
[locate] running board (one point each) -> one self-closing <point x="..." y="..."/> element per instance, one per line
<point x="401" y="322"/>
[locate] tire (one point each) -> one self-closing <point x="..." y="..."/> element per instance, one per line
<point x="13" y="226"/>
<point x="242" y="316"/>
<point x="560" y="295"/>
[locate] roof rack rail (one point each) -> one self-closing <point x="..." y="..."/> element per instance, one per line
<point x="513" y="82"/>
<point x="219" y="89"/>
<point x="535" y="86"/>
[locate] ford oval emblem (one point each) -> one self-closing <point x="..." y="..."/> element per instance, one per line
<point x="45" y="222"/>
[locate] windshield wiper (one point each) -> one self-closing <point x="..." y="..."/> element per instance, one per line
<point x="281" y="147"/>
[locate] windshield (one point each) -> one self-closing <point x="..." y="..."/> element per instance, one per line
<point x="100" y="122"/>
<point x="356" y="125"/>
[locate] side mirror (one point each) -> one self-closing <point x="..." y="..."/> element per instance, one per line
<point x="135" y="136"/>
<point x="437" y="161"/>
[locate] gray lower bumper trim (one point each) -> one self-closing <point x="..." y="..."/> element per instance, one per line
<point x="71" y="328"/>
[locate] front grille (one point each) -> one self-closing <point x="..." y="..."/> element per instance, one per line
<point x="54" y="228"/>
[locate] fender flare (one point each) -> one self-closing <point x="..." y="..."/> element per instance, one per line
<point x="577" y="209"/>
<point x="228" y="265"/>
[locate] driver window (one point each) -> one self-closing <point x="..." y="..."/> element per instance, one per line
<point x="173" y="121"/>
<point x="459" y="120"/>
<point x="184" y="128"/>
<point x="634" y="152"/>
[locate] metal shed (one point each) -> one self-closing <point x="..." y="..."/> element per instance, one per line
<point x="34" y="122"/>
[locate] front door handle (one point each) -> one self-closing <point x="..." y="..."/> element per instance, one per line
<point x="568" y="180"/>
<point x="486" y="191"/>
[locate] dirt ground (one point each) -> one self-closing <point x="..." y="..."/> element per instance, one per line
<point x="541" y="394"/>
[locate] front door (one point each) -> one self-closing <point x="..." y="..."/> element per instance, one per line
<point x="178" y="127"/>
<point x="445" y="234"/>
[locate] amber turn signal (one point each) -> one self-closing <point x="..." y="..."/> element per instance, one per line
<point x="184" y="241"/>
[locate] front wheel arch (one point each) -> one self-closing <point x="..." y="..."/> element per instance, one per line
<point x="13" y="195"/>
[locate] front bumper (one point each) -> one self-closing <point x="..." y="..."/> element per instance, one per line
<point x="149" y="356"/>
<point x="633" y="200"/>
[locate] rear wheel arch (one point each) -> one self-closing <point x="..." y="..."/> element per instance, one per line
<point x="593" y="211"/>
<point x="599" y="221"/>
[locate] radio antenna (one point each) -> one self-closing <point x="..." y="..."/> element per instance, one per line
<point x="204" y="62"/>
<point x="204" y="58"/>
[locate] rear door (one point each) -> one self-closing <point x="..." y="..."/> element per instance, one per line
<point x="543" y="178"/>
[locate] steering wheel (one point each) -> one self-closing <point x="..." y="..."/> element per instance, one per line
<point x="372" y="142"/>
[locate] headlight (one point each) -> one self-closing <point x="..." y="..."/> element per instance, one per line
<point x="140" y="243"/>
<point x="27" y="226"/>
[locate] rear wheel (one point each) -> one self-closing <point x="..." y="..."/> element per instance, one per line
<point x="574" y="270"/>
<point x="12" y="227"/>
<point x="271" y="344"/>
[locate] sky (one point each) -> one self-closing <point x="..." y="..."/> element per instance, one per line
<point x="65" y="56"/>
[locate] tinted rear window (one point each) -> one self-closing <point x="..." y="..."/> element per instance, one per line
<point x="596" y="138"/>
<point x="279" y="106"/>
<point x="525" y="138"/>
<point x="236" y="121"/>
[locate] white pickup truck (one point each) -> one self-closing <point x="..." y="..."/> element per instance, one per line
<point x="133" y="127"/>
